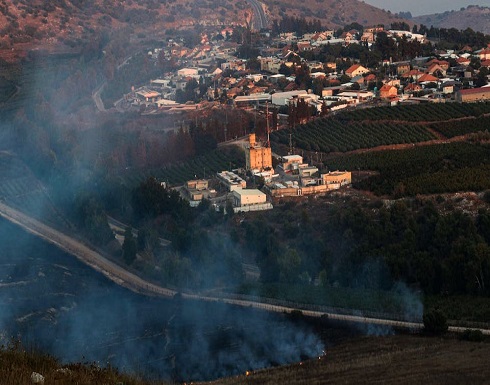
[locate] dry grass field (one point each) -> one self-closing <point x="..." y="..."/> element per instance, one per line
<point x="17" y="366"/>
<point x="399" y="360"/>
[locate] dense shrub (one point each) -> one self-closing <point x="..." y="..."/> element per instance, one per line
<point x="435" y="322"/>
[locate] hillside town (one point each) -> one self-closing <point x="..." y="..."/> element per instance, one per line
<point x="315" y="74"/>
<point x="288" y="68"/>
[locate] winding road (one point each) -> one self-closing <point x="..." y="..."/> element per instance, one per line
<point x="260" y="19"/>
<point x="123" y="277"/>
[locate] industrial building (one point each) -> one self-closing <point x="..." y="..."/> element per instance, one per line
<point x="336" y="179"/>
<point x="473" y="95"/>
<point x="258" y="157"/>
<point x="196" y="190"/>
<point x="250" y="200"/>
<point x="231" y="181"/>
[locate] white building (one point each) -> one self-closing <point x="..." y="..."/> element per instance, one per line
<point x="188" y="72"/>
<point x="283" y="98"/>
<point x="250" y="200"/>
<point x="231" y="180"/>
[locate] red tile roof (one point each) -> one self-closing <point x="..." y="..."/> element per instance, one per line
<point x="475" y="91"/>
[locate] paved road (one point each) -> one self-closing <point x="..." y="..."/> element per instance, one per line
<point x="259" y="20"/>
<point x="121" y="276"/>
<point x="96" y="93"/>
<point x="97" y="99"/>
<point x="84" y="253"/>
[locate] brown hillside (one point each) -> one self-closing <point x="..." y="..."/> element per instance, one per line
<point x="474" y="17"/>
<point x="332" y="13"/>
<point x="25" y="24"/>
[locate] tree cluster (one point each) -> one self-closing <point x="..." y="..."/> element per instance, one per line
<point x="298" y="25"/>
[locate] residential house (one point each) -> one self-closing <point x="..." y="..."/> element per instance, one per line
<point x="347" y="37"/>
<point x="408" y="35"/>
<point x="392" y="82"/>
<point x="315" y="75"/>
<point x="359" y="79"/>
<point x="412" y="88"/>
<point x="427" y="78"/>
<point x="304" y="46"/>
<point x="374" y="29"/>
<point x="436" y="70"/>
<point x="367" y="37"/>
<point x="387" y="91"/>
<point x="402" y="68"/>
<point x="147" y="95"/>
<point x="485" y="63"/>
<point x="484" y="54"/>
<point x="226" y="32"/>
<point x="413" y="74"/>
<point x="270" y="64"/>
<point x="314" y="65"/>
<point x="292" y="86"/>
<point x="442" y="63"/>
<point x="183" y="72"/>
<point x="236" y="65"/>
<point x="179" y="51"/>
<point x="356" y="70"/>
<point x="320" y="36"/>
<point x="370" y="78"/>
<point x="463" y="61"/>
<point x="449" y="87"/>
<point x="331" y="66"/>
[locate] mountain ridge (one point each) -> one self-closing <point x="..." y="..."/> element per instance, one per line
<point x="474" y="16"/>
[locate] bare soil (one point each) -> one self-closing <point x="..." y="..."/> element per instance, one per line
<point x="399" y="360"/>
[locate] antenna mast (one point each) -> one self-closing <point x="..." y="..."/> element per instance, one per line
<point x="267" y="120"/>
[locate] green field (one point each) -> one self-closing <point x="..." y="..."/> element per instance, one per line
<point x="333" y="135"/>
<point x="432" y="169"/>
<point x="198" y="167"/>
<point x="372" y="127"/>
<point x="429" y="112"/>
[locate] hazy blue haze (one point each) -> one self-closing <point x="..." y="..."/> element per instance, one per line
<point x="424" y="7"/>
<point x="51" y="301"/>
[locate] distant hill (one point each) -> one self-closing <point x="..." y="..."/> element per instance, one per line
<point x="332" y="13"/>
<point x="28" y="23"/>
<point x="474" y="17"/>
